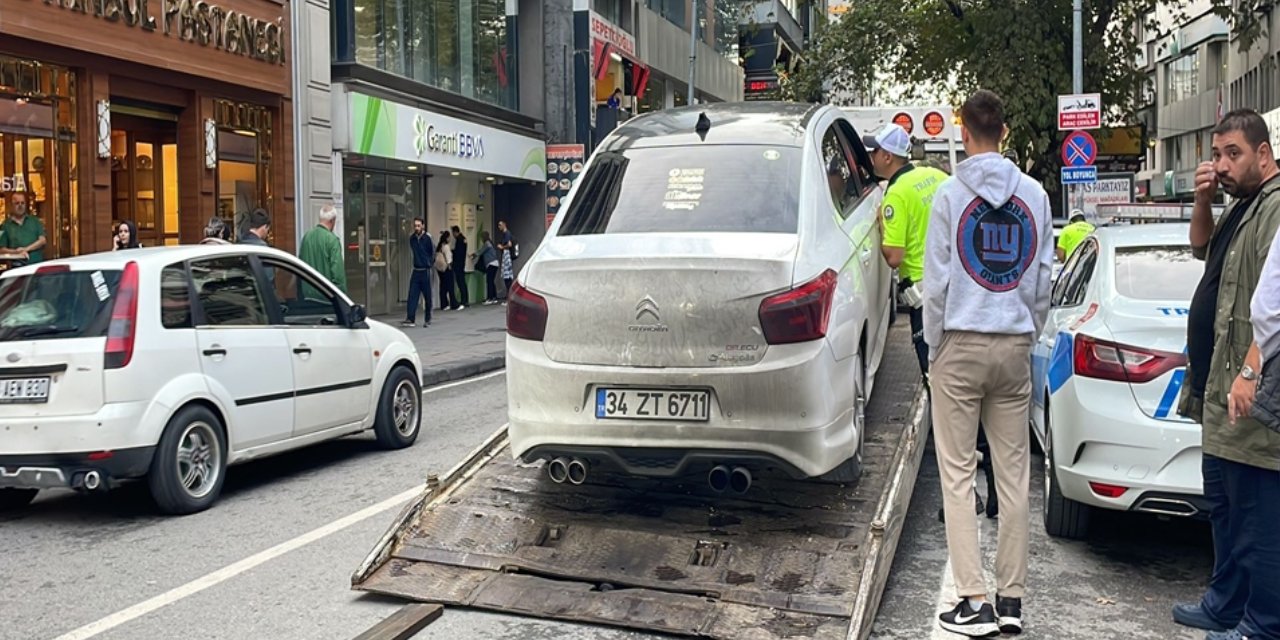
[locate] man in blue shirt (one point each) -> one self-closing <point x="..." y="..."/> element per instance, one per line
<point x="423" y="251"/>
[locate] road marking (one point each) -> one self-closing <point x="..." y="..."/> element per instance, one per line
<point x="230" y="571"/>
<point x="459" y="383"/>
<point x="947" y="597"/>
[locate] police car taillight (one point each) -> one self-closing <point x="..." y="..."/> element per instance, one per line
<point x="1106" y="360"/>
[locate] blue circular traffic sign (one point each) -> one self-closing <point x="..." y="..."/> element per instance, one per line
<point x="1079" y="149"/>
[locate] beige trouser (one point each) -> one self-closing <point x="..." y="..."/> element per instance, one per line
<point x="987" y="376"/>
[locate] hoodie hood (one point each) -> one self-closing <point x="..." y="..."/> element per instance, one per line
<point x="991" y="176"/>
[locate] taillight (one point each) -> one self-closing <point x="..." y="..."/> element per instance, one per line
<point x="526" y="313"/>
<point x="1122" y="363"/>
<point x="124" y="320"/>
<point x="53" y="268"/>
<point x="801" y="314"/>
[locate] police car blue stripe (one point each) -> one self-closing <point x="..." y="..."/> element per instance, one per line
<point x="1171" y="394"/>
<point x="1061" y="362"/>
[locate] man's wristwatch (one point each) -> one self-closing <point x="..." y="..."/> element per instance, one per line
<point x="1248" y="373"/>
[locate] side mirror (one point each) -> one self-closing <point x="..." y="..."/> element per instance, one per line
<point x="357" y="314"/>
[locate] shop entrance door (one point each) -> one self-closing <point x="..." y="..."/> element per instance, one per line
<point x="379" y="211"/>
<point x="144" y="176"/>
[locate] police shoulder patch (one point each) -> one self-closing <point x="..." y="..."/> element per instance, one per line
<point x="888" y="212"/>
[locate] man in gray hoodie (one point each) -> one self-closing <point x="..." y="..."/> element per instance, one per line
<point x="988" y="267"/>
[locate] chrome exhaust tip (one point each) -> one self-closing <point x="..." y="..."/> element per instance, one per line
<point x="740" y="480"/>
<point x="92" y="481"/>
<point x="577" y="468"/>
<point x="718" y="478"/>
<point x="558" y="470"/>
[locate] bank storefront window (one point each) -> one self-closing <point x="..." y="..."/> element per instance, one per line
<point x="466" y="47"/>
<point x="38" y="147"/>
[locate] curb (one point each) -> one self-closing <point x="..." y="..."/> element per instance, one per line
<point x="432" y="376"/>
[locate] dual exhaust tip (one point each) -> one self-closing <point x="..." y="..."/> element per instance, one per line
<point x="721" y="478"/>
<point x="571" y="470"/>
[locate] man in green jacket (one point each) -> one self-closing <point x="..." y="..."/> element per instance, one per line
<point x="322" y="249"/>
<point x="1240" y="461"/>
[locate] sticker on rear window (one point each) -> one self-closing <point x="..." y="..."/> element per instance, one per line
<point x="684" y="189"/>
<point x="100" y="285"/>
<point x="772" y="154"/>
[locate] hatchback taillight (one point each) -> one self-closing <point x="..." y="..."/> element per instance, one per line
<point x="1120" y="362"/>
<point x="801" y="314"/>
<point x="124" y="320"/>
<point x="526" y="313"/>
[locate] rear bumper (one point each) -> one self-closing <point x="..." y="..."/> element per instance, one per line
<point x="1110" y="441"/>
<point x="793" y="411"/>
<point x="67" y="470"/>
<point x="114" y="426"/>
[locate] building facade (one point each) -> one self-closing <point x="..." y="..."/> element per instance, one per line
<point x="163" y="113"/>
<point x="1187" y="67"/>
<point x="429" y="117"/>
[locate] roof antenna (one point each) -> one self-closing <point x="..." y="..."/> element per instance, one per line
<point x="704" y="125"/>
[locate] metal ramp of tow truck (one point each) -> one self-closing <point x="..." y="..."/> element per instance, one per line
<point x="788" y="559"/>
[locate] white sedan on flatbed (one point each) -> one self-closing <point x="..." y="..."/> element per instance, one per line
<point x="712" y="297"/>
<point x="172" y="363"/>
<point x="1106" y="375"/>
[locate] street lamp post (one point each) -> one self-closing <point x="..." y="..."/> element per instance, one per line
<point x="693" y="49"/>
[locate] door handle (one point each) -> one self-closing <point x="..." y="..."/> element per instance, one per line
<point x="300" y="349"/>
<point x="215" y="351"/>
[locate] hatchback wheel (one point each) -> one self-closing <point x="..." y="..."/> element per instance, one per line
<point x="190" y="463"/>
<point x="399" y="410"/>
<point x="16" y="498"/>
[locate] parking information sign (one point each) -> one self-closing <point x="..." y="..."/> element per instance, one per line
<point x="1079" y="175"/>
<point x="1079" y="111"/>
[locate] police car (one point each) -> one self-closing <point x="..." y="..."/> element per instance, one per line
<point x="1107" y="371"/>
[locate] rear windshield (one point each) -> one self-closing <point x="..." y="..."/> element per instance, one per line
<point x="58" y="304"/>
<point x="714" y="188"/>
<point x="1157" y="273"/>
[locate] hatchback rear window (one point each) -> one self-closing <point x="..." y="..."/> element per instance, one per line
<point x="1157" y="272"/>
<point x="57" y="304"/>
<point x="714" y="188"/>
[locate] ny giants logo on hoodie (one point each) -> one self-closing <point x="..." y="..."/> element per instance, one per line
<point x="996" y="244"/>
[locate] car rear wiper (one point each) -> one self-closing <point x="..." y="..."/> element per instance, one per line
<point x="52" y="330"/>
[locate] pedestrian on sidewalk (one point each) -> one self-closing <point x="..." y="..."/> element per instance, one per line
<point x="259" y="227"/>
<point x="1240" y="457"/>
<point x="505" y="245"/>
<point x="489" y="260"/>
<point x="322" y="249"/>
<point x="988" y="265"/>
<point x="22" y="235"/>
<point x="420" y="281"/>
<point x="444" y="270"/>
<point x="126" y="236"/>
<point x="460" y="266"/>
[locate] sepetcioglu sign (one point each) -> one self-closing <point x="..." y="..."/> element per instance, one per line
<point x="204" y="23"/>
<point x="391" y="130"/>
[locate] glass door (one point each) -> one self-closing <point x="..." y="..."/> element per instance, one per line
<point x="379" y="209"/>
<point x="144" y="177"/>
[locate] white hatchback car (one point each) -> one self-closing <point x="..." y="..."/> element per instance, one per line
<point x="172" y="363"/>
<point x="712" y="294"/>
<point x="1106" y="373"/>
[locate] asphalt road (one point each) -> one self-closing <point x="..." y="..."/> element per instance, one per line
<point x="273" y="559"/>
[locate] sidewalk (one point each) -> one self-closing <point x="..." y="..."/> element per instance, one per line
<point x="458" y="344"/>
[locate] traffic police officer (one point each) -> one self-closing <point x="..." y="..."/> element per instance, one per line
<point x="1073" y="234"/>
<point x="905" y="215"/>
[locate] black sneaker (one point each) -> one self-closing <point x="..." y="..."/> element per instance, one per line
<point x="1009" y="612"/>
<point x="967" y="622"/>
<point x="408" y="323"/>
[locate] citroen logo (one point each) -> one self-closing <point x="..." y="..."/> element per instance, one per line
<point x="647" y="306"/>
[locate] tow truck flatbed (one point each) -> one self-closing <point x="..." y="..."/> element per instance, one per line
<point x="788" y="559"/>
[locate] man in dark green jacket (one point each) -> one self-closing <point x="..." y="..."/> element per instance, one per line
<point x="1241" y="457"/>
<point x="322" y="249"/>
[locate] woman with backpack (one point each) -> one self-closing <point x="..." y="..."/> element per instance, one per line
<point x="507" y="246"/>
